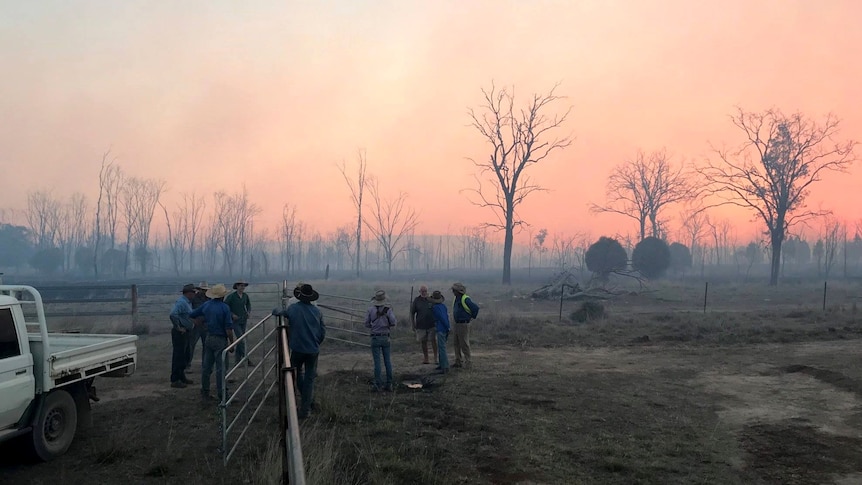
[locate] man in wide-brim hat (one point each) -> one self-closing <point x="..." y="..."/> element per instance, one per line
<point x="307" y="332"/>
<point x="199" y="332"/>
<point x="240" y="307"/>
<point x="181" y="326"/>
<point x="463" y="311"/>
<point x="219" y="325"/>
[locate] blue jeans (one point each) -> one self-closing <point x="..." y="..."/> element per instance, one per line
<point x="306" y="371"/>
<point x="238" y="330"/>
<point x="213" y="348"/>
<point x="381" y="345"/>
<point x="442" y="337"/>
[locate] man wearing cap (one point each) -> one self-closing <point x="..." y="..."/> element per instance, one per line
<point x="199" y="332"/>
<point x="463" y="311"/>
<point x="181" y="326"/>
<point x="422" y="321"/>
<point x="240" y="306"/>
<point x="307" y="332"/>
<point x="219" y="325"/>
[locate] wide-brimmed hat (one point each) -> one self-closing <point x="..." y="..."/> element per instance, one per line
<point x="380" y="298"/>
<point x="240" y="282"/>
<point x="436" y="297"/>
<point x="305" y="293"/>
<point x="202" y="286"/>
<point x="459" y="287"/>
<point x="217" y="291"/>
<point x="189" y="288"/>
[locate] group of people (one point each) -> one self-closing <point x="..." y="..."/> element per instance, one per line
<point x="217" y="318"/>
<point x="214" y="317"/>
<point x="429" y="320"/>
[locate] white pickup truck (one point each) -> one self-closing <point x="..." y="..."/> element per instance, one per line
<point x="46" y="379"/>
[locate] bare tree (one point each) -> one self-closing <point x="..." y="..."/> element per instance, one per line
<point x="641" y="188"/>
<point x="832" y="236"/>
<point x="72" y="227"/>
<point x="357" y="192"/>
<point x="106" y="172"/>
<point x="772" y="172"/>
<point x="391" y="220"/>
<point x="233" y="217"/>
<point x="44" y="213"/>
<point x="287" y="237"/>
<point x="518" y="139"/>
<point x="148" y="194"/>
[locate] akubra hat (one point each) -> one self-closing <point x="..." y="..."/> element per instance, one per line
<point x="305" y="293"/>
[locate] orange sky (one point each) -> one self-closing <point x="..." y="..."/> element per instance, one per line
<point x="210" y="95"/>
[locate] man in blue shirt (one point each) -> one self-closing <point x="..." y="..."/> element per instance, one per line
<point x="181" y="327"/>
<point x="218" y="321"/>
<point x="307" y="332"/>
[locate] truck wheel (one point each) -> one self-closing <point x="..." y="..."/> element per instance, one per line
<point x="54" y="428"/>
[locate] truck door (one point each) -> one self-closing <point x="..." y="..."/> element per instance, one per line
<point x="17" y="383"/>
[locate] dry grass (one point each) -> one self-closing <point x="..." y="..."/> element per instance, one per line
<point x="656" y="392"/>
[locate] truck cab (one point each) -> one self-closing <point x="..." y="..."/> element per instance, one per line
<point x="47" y="379"/>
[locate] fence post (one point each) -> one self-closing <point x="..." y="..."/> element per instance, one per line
<point x="134" y="306"/>
<point x="282" y="402"/>
<point x="824" y="296"/>
<point x="705" y="292"/>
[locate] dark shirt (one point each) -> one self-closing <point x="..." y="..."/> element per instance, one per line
<point x="307" y="330"/>
<point x="421" y="308"/>
<point x="239" y="305"/>
<point x="217" y="317"/>
<point x="460" y="314"/>
<point x="198" y="300"/>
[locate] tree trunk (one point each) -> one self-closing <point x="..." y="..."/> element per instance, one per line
<point x="776" y="258"/>
<point x="507" y="244"/>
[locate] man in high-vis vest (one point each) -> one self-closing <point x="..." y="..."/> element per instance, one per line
<point x="463" y="311"/>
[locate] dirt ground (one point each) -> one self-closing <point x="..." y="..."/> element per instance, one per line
<point x="651" y="394"/>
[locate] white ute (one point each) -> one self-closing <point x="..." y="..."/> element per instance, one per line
<point x="46" y="379"/>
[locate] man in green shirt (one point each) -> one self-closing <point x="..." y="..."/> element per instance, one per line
<point x="240" y="306"/>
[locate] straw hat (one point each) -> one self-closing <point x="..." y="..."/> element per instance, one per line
<point x="459" y="287"/>
<point x="217" y="291"/>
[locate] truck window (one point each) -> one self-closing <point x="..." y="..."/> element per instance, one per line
<point x="9" y="346"/>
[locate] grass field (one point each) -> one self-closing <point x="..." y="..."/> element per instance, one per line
<point x="764" y="387"/>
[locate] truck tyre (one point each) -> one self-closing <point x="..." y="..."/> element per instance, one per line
<point x="55" y="426"/>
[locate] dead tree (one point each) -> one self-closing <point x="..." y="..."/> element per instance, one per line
<point x="44" y="214"/>
<point x="105" y="176"/>
<point x="357" y="192"/>
<point x="287" y="237"/>
<point x="149" y="192"/>
<point x="391" y="220"/>
<point x="233" y="217"/>
<point x="641" y="188"/>
<point x="518" y="139"/>
<point x="773" y="170"/>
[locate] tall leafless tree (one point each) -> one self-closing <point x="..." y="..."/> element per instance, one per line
<point x="391" y="220"/>
<point x="44" y="214"/>
<point x="233" y="217"/>
<point x="148" y="195"/>
<point x="773" y="170"/>
<point x="518" y="138"/>
<point x="106" y="175"/>
<point x="287" y="238"/>
<point x="641" y="188"/>
<point x="357" y="193"/>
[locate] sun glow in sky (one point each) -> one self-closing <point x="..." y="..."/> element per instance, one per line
<point x="214" y="95"/>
